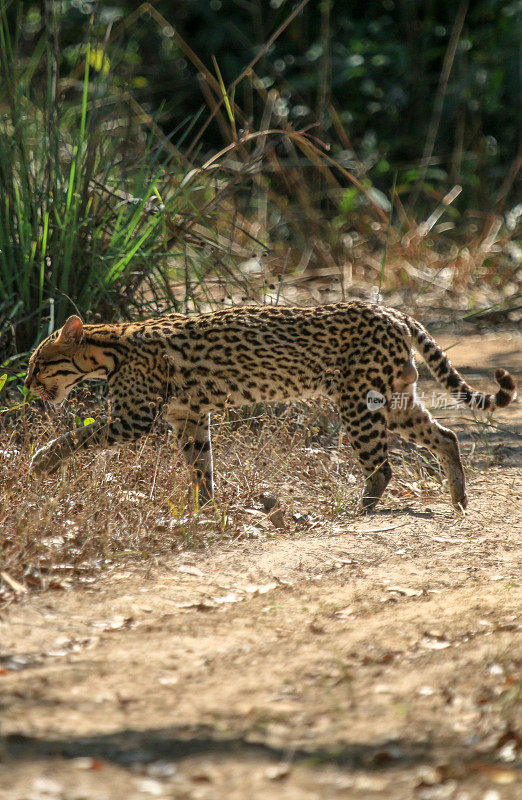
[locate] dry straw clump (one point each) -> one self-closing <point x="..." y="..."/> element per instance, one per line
<point x="136" y="504"/>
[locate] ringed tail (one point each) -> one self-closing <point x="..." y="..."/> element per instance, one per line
<point x="442" y="369"/>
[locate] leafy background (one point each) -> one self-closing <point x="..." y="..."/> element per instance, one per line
<point x="377" y="64"/>
<point x="136" y="177"/>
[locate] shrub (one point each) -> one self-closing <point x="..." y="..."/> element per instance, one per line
<point x="83" y="199"/>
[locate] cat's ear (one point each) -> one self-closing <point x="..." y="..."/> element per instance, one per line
<point x="71" y="332"/>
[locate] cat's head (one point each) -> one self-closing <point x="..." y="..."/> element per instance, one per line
<point x="58" y="363"/>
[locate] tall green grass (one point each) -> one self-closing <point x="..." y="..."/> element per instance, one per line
<point x="82" y="209"/>
<point x="101" y="212"/>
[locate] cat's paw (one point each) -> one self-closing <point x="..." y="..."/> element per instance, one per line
<point x="46" y="459"/>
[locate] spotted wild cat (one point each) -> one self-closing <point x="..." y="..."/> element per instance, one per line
<point x="186" y="367"/>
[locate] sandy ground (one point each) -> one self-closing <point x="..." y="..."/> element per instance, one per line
<point x="377" y="659"/>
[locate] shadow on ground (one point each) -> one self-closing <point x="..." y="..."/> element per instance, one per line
<point x="134" y="749"/>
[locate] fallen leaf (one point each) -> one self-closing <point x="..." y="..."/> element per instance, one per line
<point x="150" y="786"/>
<point x="441" y="791"/>
<point x="430" y="776"/>
<point x="116" y="624"/>
<point x="188" y="570"/>
<point x="407" y="592"/>
<point x="228" y="598"/>
<point x="508" y="751"/>
<point x="199" y="605"/>
<point x="277" y="772"/>
<point x="434" y="644"/>
<point x="269" y="502"/>
<point x="277" y="518"/>
<point x="343" y="613"/>
<point x="83" y="762"/>
<point x="168" y="680"/>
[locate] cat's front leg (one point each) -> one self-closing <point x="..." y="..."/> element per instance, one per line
<point x="102" y="433"/>
<point x="56" y="452"/>
<point x="47" y="458"/>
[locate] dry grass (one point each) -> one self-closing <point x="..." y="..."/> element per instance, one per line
<point x="135" y="503"/>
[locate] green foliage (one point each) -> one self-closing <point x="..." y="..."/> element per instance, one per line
<point x="14" y="403"/>
<point x="82" y="423"/>
<point x="101" y="211"/>
<point x="78" y="229"/>
<point x="348" y="200"/>
<point x="377" y="64"/>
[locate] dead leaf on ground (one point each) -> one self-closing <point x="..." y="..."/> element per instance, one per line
<point x="405" y="590"/>
<point x="431" y="642"/>
<point x="115" y="624"/>
<point x="269" y="502"/>
<point x="343" y="613"/>
<point x="228" y="598"/>
<point x="190" y="570"/>
<point x="277" y="518"/>
<point x="277" y="772"/>
<point x="198" y="605"/>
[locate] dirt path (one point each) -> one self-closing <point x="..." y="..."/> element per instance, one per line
<point x="382" y="658"/>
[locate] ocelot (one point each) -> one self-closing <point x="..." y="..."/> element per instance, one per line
<point x="186" y="367"/>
